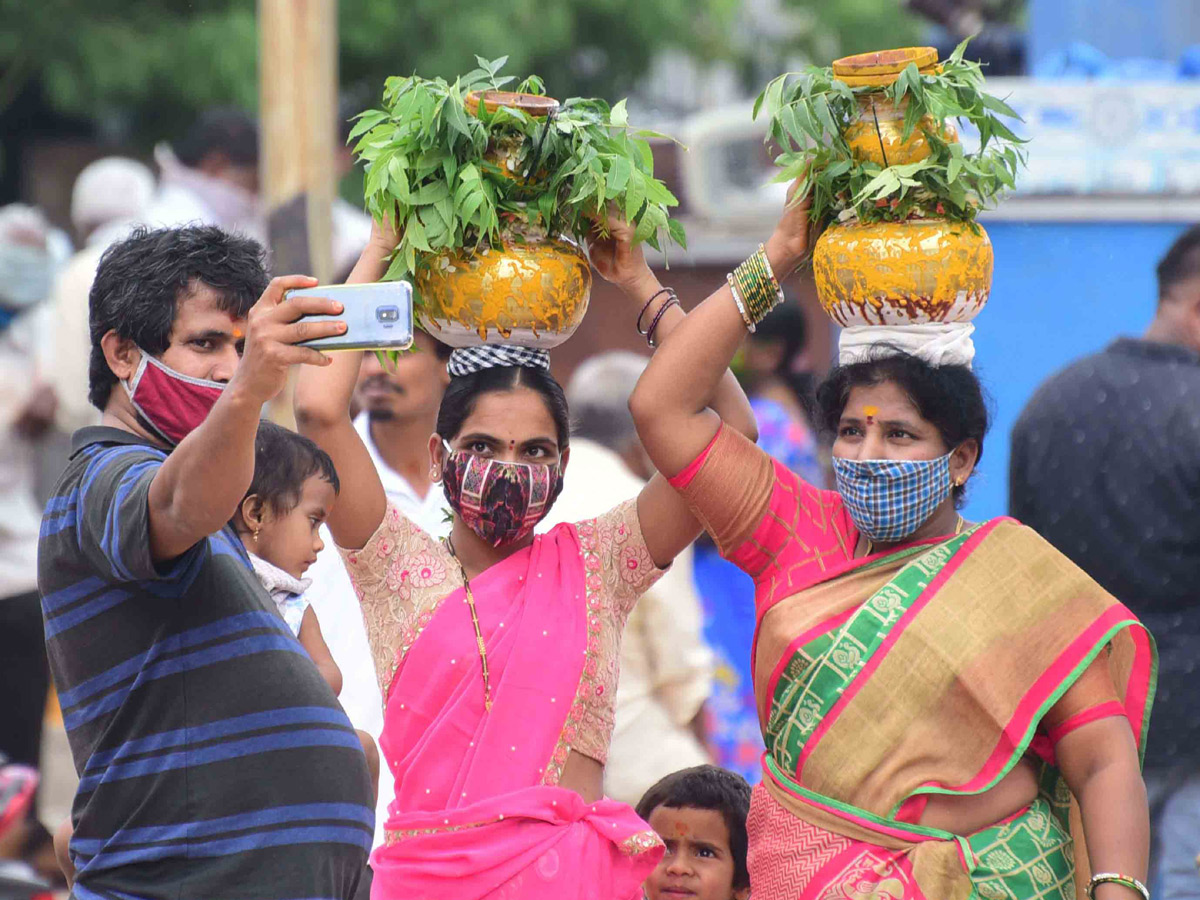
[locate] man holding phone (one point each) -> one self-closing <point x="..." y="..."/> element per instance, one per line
<point x="214" y="760"/>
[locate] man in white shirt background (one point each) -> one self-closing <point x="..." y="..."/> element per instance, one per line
<point x="666" y="668"/>
<point x="398" y="412"/>
<point x="27" y="405"/>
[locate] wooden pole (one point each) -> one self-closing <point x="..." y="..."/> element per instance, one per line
<point x="298" y="86"/>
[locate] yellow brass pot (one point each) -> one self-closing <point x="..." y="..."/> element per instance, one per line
<point x="877" y="134"/>
<point x="903" y="273"/>
<point x="532" y="294"/>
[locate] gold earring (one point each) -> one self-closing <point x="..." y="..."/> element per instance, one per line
<point x="255" y="535"/>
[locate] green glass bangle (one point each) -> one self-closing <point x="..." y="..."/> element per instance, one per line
<point x="1116" y="878"/>
<point x="752" y="288"/>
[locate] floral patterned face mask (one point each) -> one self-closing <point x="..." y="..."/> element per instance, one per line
<point x="500" y="501"/>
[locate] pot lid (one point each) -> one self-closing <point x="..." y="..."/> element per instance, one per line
<point x="882" y="67"/>
<point x="533" y="105"/>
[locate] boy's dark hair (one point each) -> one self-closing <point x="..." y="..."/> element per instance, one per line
<point x="708" y="787"/>
<point x="283" y="461"/>
<point x="141" y="279"/>
<point x="228" y="130"/>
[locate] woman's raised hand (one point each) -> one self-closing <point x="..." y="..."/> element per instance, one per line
<point x="384" y="235"/>
<point x="788" y="246"/>
<point x="617" y="258"/>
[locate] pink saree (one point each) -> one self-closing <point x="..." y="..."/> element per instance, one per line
<point x="477" y="811"/>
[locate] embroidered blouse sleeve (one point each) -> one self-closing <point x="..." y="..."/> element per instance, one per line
<point x="626" y="569"/>
<point x="762" y="516"/>
<point x="400" y="577"/>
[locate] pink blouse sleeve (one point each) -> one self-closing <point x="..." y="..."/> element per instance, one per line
<point x="762" y="516"/>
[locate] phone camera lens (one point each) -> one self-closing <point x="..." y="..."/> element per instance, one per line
<point x="388" y="314"/>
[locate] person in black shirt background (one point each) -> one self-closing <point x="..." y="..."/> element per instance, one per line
<point x="1106" y="465"/>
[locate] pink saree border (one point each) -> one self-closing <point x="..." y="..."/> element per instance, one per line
<point x="894" y="635"/>
<point x="864" y="855"/>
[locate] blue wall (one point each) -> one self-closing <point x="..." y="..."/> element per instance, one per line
<point x="1060" y="291"/>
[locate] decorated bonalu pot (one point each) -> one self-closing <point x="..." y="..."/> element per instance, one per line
<point x="903" y="273"/>
<point x="532" y="290"/>
<point x="918" y="271"/>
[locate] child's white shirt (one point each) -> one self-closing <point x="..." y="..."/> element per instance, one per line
<point x="287" y="592"/>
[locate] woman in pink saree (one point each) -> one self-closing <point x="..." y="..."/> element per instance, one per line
<point x="496" y="650"/>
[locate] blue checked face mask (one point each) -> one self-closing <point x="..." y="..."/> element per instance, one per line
<point x="889" y="499"/>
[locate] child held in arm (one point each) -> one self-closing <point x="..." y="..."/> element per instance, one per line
<point x="700" y="814"/>
<point x="295" y="486"/>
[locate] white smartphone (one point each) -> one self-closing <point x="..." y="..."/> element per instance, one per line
<point x="378" y="316"/>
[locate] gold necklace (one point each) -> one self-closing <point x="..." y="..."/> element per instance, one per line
<point x="958" y="529"/>
<point x="487" y="687"/>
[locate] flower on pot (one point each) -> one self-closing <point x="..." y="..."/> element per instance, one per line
<point x="811" y="113"/>
<point x="458" y="165"/>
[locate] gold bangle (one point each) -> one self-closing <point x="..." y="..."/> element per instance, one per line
<point x="741" y="307"/>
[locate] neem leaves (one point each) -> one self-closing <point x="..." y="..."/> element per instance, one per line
<point x="426" y="169"/>
<point x="809" y="111"/>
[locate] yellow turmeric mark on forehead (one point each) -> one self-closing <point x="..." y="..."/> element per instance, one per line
<point x="870" y="412"/>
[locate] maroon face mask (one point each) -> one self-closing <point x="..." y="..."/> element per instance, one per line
<point x="500" y="501"/>
<point x="172" y="404"/>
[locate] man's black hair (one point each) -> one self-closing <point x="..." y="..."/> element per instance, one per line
<point x="1180" y="262"/>
<point x="141" y="280"/>
<point x="283" y="461"/>
<point x="708" y="787"/>
<point x="227" y="131"/>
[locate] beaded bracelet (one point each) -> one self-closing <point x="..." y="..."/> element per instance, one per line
<point x="653" y="297"/>
<point x="741" y="307"/>
<point x="1116" y="878"/>
<point x="650" y="342"/>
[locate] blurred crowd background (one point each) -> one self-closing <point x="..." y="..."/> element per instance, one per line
<point x="115" y="113"/>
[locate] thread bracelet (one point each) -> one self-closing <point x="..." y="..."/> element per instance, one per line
<point x="650" y="341"/>
<point x="653" y="297"/>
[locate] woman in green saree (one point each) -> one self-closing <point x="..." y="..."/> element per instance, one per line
<point x="945" y="705"/>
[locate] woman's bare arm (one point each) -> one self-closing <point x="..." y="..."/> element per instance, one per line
<point x="1100" y="764"/>
<point x="322" y="407"/>
<point x="666" y="522"/>
<point x="673" y="402"/>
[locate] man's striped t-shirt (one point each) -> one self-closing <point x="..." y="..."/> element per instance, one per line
<point x="214" y="761"/>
